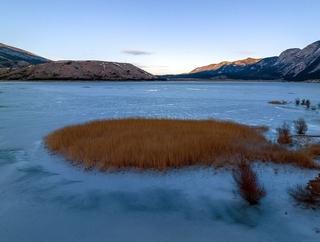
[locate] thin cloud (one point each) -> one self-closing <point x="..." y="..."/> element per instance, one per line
<point x="245" y="52"/>
<point x="150" y="67"/>
<point x="154" y="69"/>
<point x="136" y="52"/>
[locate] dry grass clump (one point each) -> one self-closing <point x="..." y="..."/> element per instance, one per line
<point x="164" y="143"/>
<point x="309" y="195"/>
<point x="278" y="154"/>
<point x="313" y="150"/>
<point x="247" y="182"/>
<point x="278" y="102"/>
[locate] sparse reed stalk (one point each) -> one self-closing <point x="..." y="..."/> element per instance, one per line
<point x="247" y="183"/>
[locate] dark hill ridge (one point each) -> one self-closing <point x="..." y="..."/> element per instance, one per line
<point x="77" y="70"/>
<point x="291" y="65"/>
<point x="11" y="57"/>
<point x="301" y="64"/>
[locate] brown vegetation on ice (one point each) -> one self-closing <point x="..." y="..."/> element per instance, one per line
<point x="165" y="143"/>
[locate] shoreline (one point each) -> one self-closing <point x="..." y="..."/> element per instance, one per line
<point x="161" y="80"/>
<point x="195" y="80"/>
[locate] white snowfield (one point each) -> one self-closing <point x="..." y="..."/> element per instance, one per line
<point x="44" y="198"/>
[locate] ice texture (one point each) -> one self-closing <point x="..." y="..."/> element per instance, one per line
<point x="44" y="198"/>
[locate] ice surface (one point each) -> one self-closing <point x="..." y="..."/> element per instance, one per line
<point x="44" y="198"/>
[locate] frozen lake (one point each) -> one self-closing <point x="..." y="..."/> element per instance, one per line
<point x="43" y="198"/>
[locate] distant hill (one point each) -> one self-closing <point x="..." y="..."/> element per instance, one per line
<point x="77" y="70"/>
<point x="17" y="64"/>
<point x="291" y="65"/>
<point x="11" y="57"/>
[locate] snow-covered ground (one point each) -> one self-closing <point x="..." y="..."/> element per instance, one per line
<point x="44" y="198"/>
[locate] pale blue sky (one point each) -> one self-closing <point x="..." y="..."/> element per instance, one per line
<point x="159" y="36"/>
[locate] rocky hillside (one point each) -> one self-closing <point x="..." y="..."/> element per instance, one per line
<point x="76" y="70"/>
<point x="291" y="65"/>
<point x="297" y="64"/>
<point x="11" y="57"/>
<point x="17" y="64"/>
<point x="213" y="67"/>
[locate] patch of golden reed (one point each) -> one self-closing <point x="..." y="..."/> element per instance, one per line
<point x="166" y="143"/>
<point x="313" y="150"/>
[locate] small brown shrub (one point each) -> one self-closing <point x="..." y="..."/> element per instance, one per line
<point x="248" y="184"/>
<point x="309" y="195"/>
<point x="308" y="103"/>
<point x="300" y="126"/>
<point x="284" y="134"/>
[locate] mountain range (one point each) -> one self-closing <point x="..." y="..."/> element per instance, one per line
<point x="291" y="65"/>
